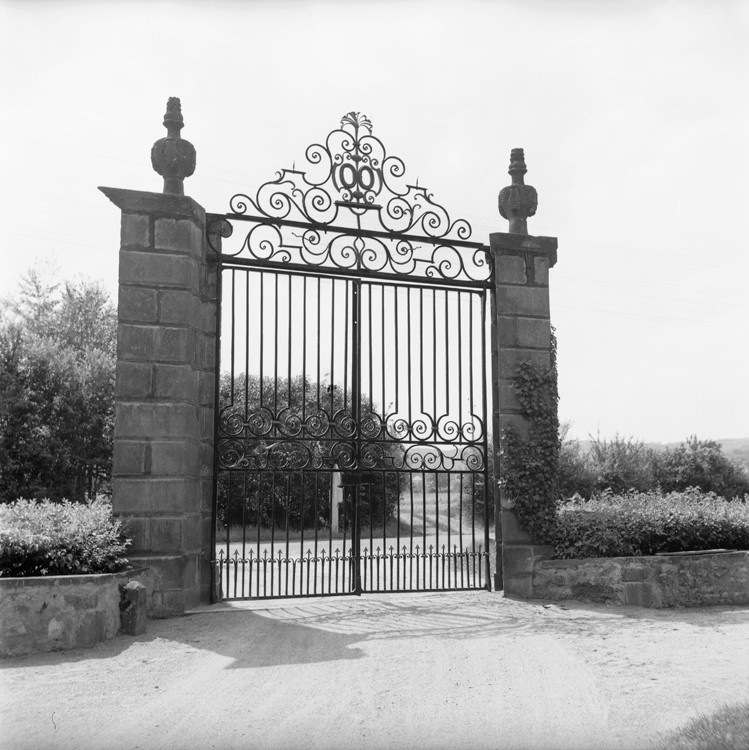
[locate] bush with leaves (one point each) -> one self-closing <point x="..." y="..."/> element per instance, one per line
<point x="701" y="463"/>
<point x="43" y="538"/>
<point x="57" y="375"/>
<point x="647" y="523"/>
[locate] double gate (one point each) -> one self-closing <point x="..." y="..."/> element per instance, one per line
<point x="351" y="430"/>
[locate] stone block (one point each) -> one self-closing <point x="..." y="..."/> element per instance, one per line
<point x="518" y="586"/>
<point x="178" y="236"/>
<point x="178" y="382"/>
<point x="135" y="231"/>
<point x="174" y="345"/>
<point x="640" y="594"/>
<point x="508" y="399"/>
<point x="515" y="422"/>
<point x="207" y="416"/>
<point x="635" y="573"/>
<point x="167" y="535"/>
<point x="178" y="457"/>
<point x="181" y="307"/>
<point x="133" y="608"/>
<point x="135" y="342"/>
<point x="153" y="495"/>
<point x="509" y="359"/>
<point x="207" y="388"/>
<point x="533" y="333"/>
<point x="206" y="353"/>
<point x="154" y="420"/>
<point x="173" y="603"/>
<point x="531" y="301"/>
<point x="507" y="331"/>
<point x="150" y="269"/>
<point x="130" y="457"/>
<point x="206" y="458"/>
<point x="194" y="533"/>
<point x="517" y="560"/>
<point x="541" y="270"/>
<point x="206" y="494"/>
<point x="190" y="571"/>
<point x="137" y="304"/>
<point x="134" y="380"/>
<point x="510" y="269"/>
<point x="512" y="531"/>
<point x="209" y="321"/>
<point x="138" y="528"/>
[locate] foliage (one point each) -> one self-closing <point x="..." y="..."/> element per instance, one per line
<point x="298" y="498"/>
<point x="528" y="465"/>
<point x="46" y="538"/>
<point x="725" y="729"/>
<point x="647" y="523"/>
<point x="621" y="465"/>
<point x="701" y="463"/>
<point x="57" y="365"/>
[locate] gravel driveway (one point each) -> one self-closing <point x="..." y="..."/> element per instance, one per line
<point x="454" y="670"/>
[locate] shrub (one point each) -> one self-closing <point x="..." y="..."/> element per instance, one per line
<point x="577" y="474"/>
<point x="622" y="465"/>
<point x="46" y="538"/>
<point x="701" y="463"/>
<point x="647" y="523"/>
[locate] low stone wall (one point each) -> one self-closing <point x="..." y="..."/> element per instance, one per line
<point x="53" y="613"/>
<point x="673" y="580"/>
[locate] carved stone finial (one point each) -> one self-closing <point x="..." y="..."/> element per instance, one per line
<point x="173" y="157"/>
<point x="517" y="201"/>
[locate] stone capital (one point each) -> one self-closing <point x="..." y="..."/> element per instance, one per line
<point x="157" y="204"/>
<point x="504" y="243"/>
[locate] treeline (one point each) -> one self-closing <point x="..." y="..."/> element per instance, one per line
<point x="621" y="465"/>
<point x="57" y="375"/>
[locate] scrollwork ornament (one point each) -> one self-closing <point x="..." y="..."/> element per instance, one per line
<point x="349" y="209"/>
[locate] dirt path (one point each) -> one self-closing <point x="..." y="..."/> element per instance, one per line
<point x="460" y="670"/>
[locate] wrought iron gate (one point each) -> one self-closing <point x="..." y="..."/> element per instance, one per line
<point x="351" y="431"/>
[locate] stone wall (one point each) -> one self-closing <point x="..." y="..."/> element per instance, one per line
<point x="163" y="435"/>
<point x="54" y="613"/>
<point x="684" y="580"/>
<point x="522" y="332"/>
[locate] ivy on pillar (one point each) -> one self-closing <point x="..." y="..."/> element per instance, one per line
<point x="164" y="402"/>
<point x="525" y="402"/>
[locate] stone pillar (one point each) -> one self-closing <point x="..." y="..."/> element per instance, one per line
<point x="165" y="391"/>
<point x="522" y="332"/>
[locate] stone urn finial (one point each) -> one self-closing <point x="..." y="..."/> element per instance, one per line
<point x="173" y="157"/>
<point x="517" y="201"/>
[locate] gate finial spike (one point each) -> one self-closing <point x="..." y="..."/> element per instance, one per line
<point x="173" y="157"/>
<point x="518" y="201"/>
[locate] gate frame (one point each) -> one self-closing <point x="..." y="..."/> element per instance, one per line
<point x="162" y="477"/>
<point x="359" y="173"/>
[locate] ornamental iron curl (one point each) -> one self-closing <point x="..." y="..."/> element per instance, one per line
<point x="351" y="210"/>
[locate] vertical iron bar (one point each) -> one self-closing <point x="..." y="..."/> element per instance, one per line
<point x="356" y="413"/>
<point x="216" y="589"/>
<point x="275" y="362"/>
<point x="486" y="442"/>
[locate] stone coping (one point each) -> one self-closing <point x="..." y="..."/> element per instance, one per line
<point x="54" y="613"/>
<point x="681" y="579"/>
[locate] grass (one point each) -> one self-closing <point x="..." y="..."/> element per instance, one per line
<point x="726" y="729"/>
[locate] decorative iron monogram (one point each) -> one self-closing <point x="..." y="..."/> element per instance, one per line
<point x="352" y="210"/>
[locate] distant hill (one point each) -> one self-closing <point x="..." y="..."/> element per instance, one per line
<point x="736" y="449"/>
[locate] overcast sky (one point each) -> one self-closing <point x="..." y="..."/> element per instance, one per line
<point x="634" y="117"/>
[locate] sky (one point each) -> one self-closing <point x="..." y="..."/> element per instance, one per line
<point x="633" y="115"/>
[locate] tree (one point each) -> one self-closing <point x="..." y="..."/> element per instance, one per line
<point x="701" y="463"/>
<point x="57" y="365"/>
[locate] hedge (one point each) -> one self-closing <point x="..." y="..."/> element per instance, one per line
<point x="648" y="523"/>
<point x="44" y="538"/>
